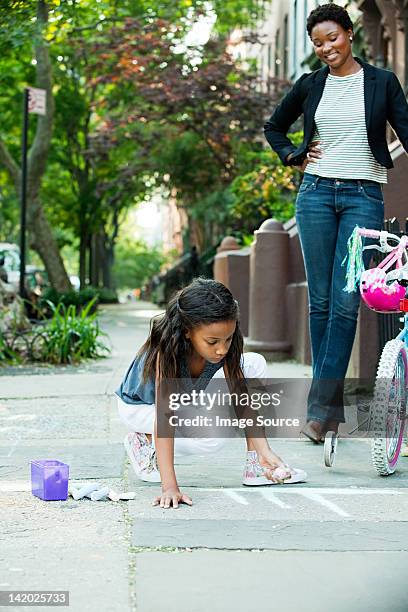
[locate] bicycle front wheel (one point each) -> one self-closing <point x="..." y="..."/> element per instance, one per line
<point x="388" y="408"/>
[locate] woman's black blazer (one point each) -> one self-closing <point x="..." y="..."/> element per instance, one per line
<point x="384" y="101"/>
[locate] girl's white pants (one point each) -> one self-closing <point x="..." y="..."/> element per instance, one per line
<point x="141" y="417"/>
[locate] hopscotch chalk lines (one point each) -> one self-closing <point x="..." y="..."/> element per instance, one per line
<point x="315" y="495"/>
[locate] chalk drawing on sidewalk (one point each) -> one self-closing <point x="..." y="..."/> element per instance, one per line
<point x="272" y="497"/>
<point x="15" y="438"/>
<point x="319" y="499"/>
<point x="15" y="434"/>
<point x="316" y="495"/>
<point x="15" y="486"/>
<point x="236" y="497"/>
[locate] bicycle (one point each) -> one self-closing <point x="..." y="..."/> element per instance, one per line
<point x="383" y="292"/>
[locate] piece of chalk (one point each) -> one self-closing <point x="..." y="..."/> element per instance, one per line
<point x="113" y="496"/>
<point x="128" y="495"/>
<point x="85" y="490"/>
<point x="100" y="494"/>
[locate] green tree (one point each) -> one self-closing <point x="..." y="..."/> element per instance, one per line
<point x="42" y="239"/>
<point x="90" y="180"/>
<point x="136" y="263"/>
<point x="200" y="117"/>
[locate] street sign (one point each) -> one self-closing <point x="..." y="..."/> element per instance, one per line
<point x="37" y="100"/>
<point x="34" y="101"/>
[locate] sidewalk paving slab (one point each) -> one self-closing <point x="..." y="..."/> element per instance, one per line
<point x="91" y="460"/>
<point x="79" y="547"/>
<point x="223" y="581"/>
<point x="229" y="534"/>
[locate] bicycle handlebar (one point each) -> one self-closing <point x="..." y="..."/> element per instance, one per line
<point x="383" y="237"/>
<point x="398" y="253"/>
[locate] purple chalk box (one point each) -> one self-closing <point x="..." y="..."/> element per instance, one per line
<point x="49" y="479"/>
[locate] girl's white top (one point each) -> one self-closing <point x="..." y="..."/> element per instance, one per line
<point x="341" y="128"/>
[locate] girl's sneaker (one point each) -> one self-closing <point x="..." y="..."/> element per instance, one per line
<point x="142" y="457"/>
<point x="254" y="473"/>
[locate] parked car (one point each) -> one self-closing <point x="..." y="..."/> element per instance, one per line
<point x="75" y="282"/>
<point x="10" y="253"/>
<point x="36" y="279"/>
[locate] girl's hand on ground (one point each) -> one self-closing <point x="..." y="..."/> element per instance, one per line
<point x="172" y="497"/>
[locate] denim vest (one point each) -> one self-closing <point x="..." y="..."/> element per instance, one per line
<point x="133" y="389"/>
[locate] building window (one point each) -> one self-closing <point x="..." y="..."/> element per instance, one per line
<point x="305" y="35"/>
<point x="277" y="54"/>
<point x="285" y="46"/>
<point x="269" y="59"/>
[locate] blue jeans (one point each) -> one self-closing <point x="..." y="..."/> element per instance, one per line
<point x="327" y="210"/>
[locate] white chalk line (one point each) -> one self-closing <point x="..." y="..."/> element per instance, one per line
<point x="15" y="486"/>
<point x="318" y="498"/>
<point x="313" y="494"/>
<point x="298" y="489"/>
<point x="272" y="497"/>
<point x="236" y="497"/>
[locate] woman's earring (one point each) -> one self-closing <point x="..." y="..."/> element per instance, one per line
<point x="351" y="40"/>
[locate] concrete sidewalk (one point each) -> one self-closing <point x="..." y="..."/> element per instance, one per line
<point x="236" y="549"/>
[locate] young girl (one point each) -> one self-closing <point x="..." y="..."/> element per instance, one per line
<point x="197" y="338"/>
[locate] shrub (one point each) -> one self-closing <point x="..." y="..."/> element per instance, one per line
<point x="107" y="296"/>
<point x="79" y="299"/>
<point x="7" y="355"/>
<point x="70" y="337"/>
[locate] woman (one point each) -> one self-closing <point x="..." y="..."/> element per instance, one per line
<point x="344" y="157"/>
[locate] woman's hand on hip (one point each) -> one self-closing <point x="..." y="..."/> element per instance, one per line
<point x="313" y="155"/>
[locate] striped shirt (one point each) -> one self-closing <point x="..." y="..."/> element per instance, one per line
<point x="341" y="129"/>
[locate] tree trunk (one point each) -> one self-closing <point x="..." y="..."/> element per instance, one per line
<point x="109" y="243"/>
<point x="83" y="248"/>
<point x="100" y="249"/>
<point x="92" y="261"/>
<point x="108" y="261"/>
<point x="43" y="242"/>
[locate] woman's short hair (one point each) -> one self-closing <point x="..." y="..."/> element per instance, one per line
<point x="329" y="12"/>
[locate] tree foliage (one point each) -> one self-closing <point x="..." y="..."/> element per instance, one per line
<point x="135" y="109"/>
<point x="192" y="119"/>
<point x="268" y="190"/>
<point x="136" y="263"/>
